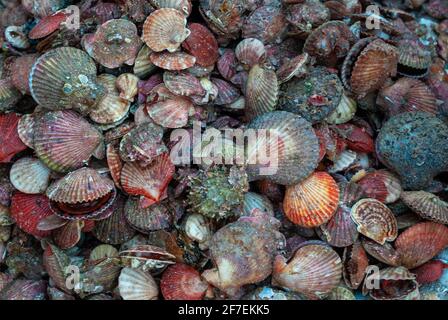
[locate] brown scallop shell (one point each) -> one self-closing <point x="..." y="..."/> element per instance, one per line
<point x="420" y="243"/>
<point x="165" y="29"/>
<point x="173" y="60"/>
<point x="355" y="262"/>
<point x="384" y="253"/>
<point x="426" y="205"/>
<point x="375" y="220"/>
<point x="202" y="44"/>
<point x="250" y="52"/>
<point x="146" y="220"/>
<point x="313" y="201"/>
<point x="381" y="185"/>
<point x="407" y="95"/>
<point x="114" y="163"/>
<point x="63" y="140"/>
<point x="414" y="58"/>
<point x="315" y="270"/>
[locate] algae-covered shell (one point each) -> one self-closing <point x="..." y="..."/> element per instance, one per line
<point x="344" y="112"/>
<point x="146" y="220"/>
<point x="420" y="243"/>
<point x="30" y="175"/>
<point x="297" y="148"/>
<point x="426" y="205"/>
<point x="63" y="140"/>
<point x="414" y="145"/>
<point x="375" y="220"/>
<point x="165" y="29"/>
<point x="173" y="60"/>
<point x="134" y="284"/>
<point x="202" y="44"/>
<point x="115" y="43"/>
<point x="315" y="97"/>
<point x="381" y="185"/>
<point x="182" y="282"/>
<point x="64" y="78"/>
<point x="315" y="270"/>
<point x="313" y="201"/>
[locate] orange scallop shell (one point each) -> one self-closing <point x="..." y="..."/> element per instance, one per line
<point x="312" y="202"/>
<point x="426" y="205"/>
<point x="172" y="60"/>
<point x="182" y="282"/>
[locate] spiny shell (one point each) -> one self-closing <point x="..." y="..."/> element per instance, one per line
<point x="82" y="185"/>
<point x="63" y="140"/>
<point x="298" y="149"/>
<point x="420" y="243"/>
<point x="64" y="78"/>
<point x="146" y="220"/>
<point x="182" y="282"/>
<point x="165" y="29"/>
<point x="375" y="220"/>
<point x="30" y="175"/>
<point x="355" y="262"/>
<point x="315" y="270"/>
<point x="173" y="60"/>
<point x="381" y="185"/>
<point x="313" y="201"/>
<point x="384" y="253"/>
<point x="10" y="143"/>
<point x="250" y="52"/>
<point x="261" y="92"/>
<point x="202" y="44"/>
<point x="426" y="205"/>
<point x="135" y="284"/>
<point x="344" y="112"/>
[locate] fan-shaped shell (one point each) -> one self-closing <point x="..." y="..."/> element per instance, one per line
<point x="261" y="91"/>
<point x="135" y="284"/>
<point x="414" y="58"/>
<point x="153" y="218"/>
<point x="22" y="68"/>
<point x="183" y="84"/>
<point x="10" y="143"/>
<point x="9" y="95"/>
<point x="25" y="129"/>
<point x="355" y="262"/>
<point x="30" y="175"/>
<point x="420" y="243"/>
<point x="182" y="282"/>
<point x="313" y="201"/>
<point x="381" y="185"/>
<point x="396" y="283"/>
<point x="173" y="60"/>
<point x="143" y="66"/>
<point x="344" y="112"/>
<point x="266" y="23"/>
<point x="64" y="78"/>
<point x="315" y="270"/>
<point x="202" y="44"/>
<point x="297" y="66"/>
<point x="375" y="220"/>
<point x="181" y="5"/>
<point x="171" y="113"/>
<point x="250" y="52"/>
<point x="165" y="29"/>
<point x="68" y="235"/>
<point x="384" y="253"/>
<point x="254" y="201"/>
<point x="47" y="25"/>
<point x="296" y="148"/>
<point x="63" y="140"/>
<point x="426" y="205"/>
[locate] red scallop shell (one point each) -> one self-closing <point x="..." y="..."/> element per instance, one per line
<point x="114" y="163"/>
<point x="171" y="113"/>
<point x="182" y="282"/>
<point x="430" y="271"/>
<point x="47" y="25"/>
<point x="357" y="139"/>
<point x="172" y="60"/>
<point x="150" y="181"/>
<point x="420" y="243"/>
<point x="28" y="210"/>
<point x="183" y="84"/>
<point x="201" y="44"/>
<point x="227" y="64"/>
<point x="381" y="185"/>
<point x="68" y="235"/>
<point x="10" y="143"/>
<point x="355" y="262"/>
<point x="22" y="68"/>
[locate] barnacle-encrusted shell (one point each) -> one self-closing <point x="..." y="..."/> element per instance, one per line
<point x="313" y="201"/>
<point x="261" y="91"/>
<point x="135" y="284"/>
<point x="30" y="175"/>
<point x="426" y="205"/>
<point x="63" y="140"/>
<point x="375" y="220"/>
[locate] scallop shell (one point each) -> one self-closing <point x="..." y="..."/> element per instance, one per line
<point x="22" y="289"/>
<point x="115" y="229"/>
<point x="146" y="220"/>
<point x="111" y="107"/>
<point x="420" y="243"/>
<point x="47" y="25"/>
<point x="226" y="64"/>
<point x="261" y="92"/>
<point x="266" y="23"/>
<point x="143" y="66"/>
<point x="254" y="201"/>
<point x="22" y="68"/>
<point x="384" y="253"/>
<point x="171" y="113"/>
<point x="127" y="85"/>
<point x="172" y="60"/>
<point x="202" y="44"/>
<point x="29" y="175"/>
<point x="43" y="8"/>
<point x="197" y="228"/>
<point x="381" y="185"/>
<point x="426" y="205"/>
<point x="298" y="150"/>
<point x="28" y="210"/>
<point x="165" y="29"/>
<point x="344" y="112"/>
<point x="115" y="43"/>
<point x="297" y="66"/>
<point x="313" y="201"/>
<point x="375" y="220"/>
<point x="64" y="78"/>
<point x="182" y="282"/>
<point x="396" y="283"/>
<point x="250" y="52"/>
<point x="63" y="140"/>
<point x="181" y="5"/>
<point x="9" y="95"/>
<point x="135" y="284"/>
<point x="355" y="263"/>
<point x="341" y="293"/>
<point x="183" y="84"/>
<point x="25" y="129"/>
<point x="10" y="143"/>
<point x="103" y="251"/>
<point x="68" y="235"/>
<point x="414" y="58"/>
<point x="114" y="163"/>
<point x="82" y="185"/>
<point x="343" y="161"/>
<point x="147" y="257"/>
<point x="227" y="93"/>
<point x="315" y="270"/>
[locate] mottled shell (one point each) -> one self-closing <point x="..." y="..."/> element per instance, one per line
<point x="172" y="60"/>
<point x="426" y="205"/>
<point x="156" y="217"/>
<point x="68" y="235"/>
<point x="261" y="92"/>
<point x="313" y="201"/>
<point x="250" y="52"/>
<point x="375" y="220"/>
<point x="381" y="185"/>
<point x="64" y="78"/>
<point x="384" y="253"/>
<point x="202" y="44"/>
<point x="344" y="112"/>
<point x="227" y="93"/>
<point x="355" y="262"/>
<point x="297" y="66"/>
<point x="134" y="284"/>
<point x="420" y="243"/>
<point x="315" y="270"/>
<point x="10" y="143"/>
<point x="183" y="84"/>
<point x="165" y="29"/>
<point x="266" y="23"/>
<point x="29" y="175"/>
<point x="298" y="149"/>
<point x="182" y="282"/>
<point x="63" y="140"/>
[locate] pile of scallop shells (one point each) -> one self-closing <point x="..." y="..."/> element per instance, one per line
<point x="93" y="206"/>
